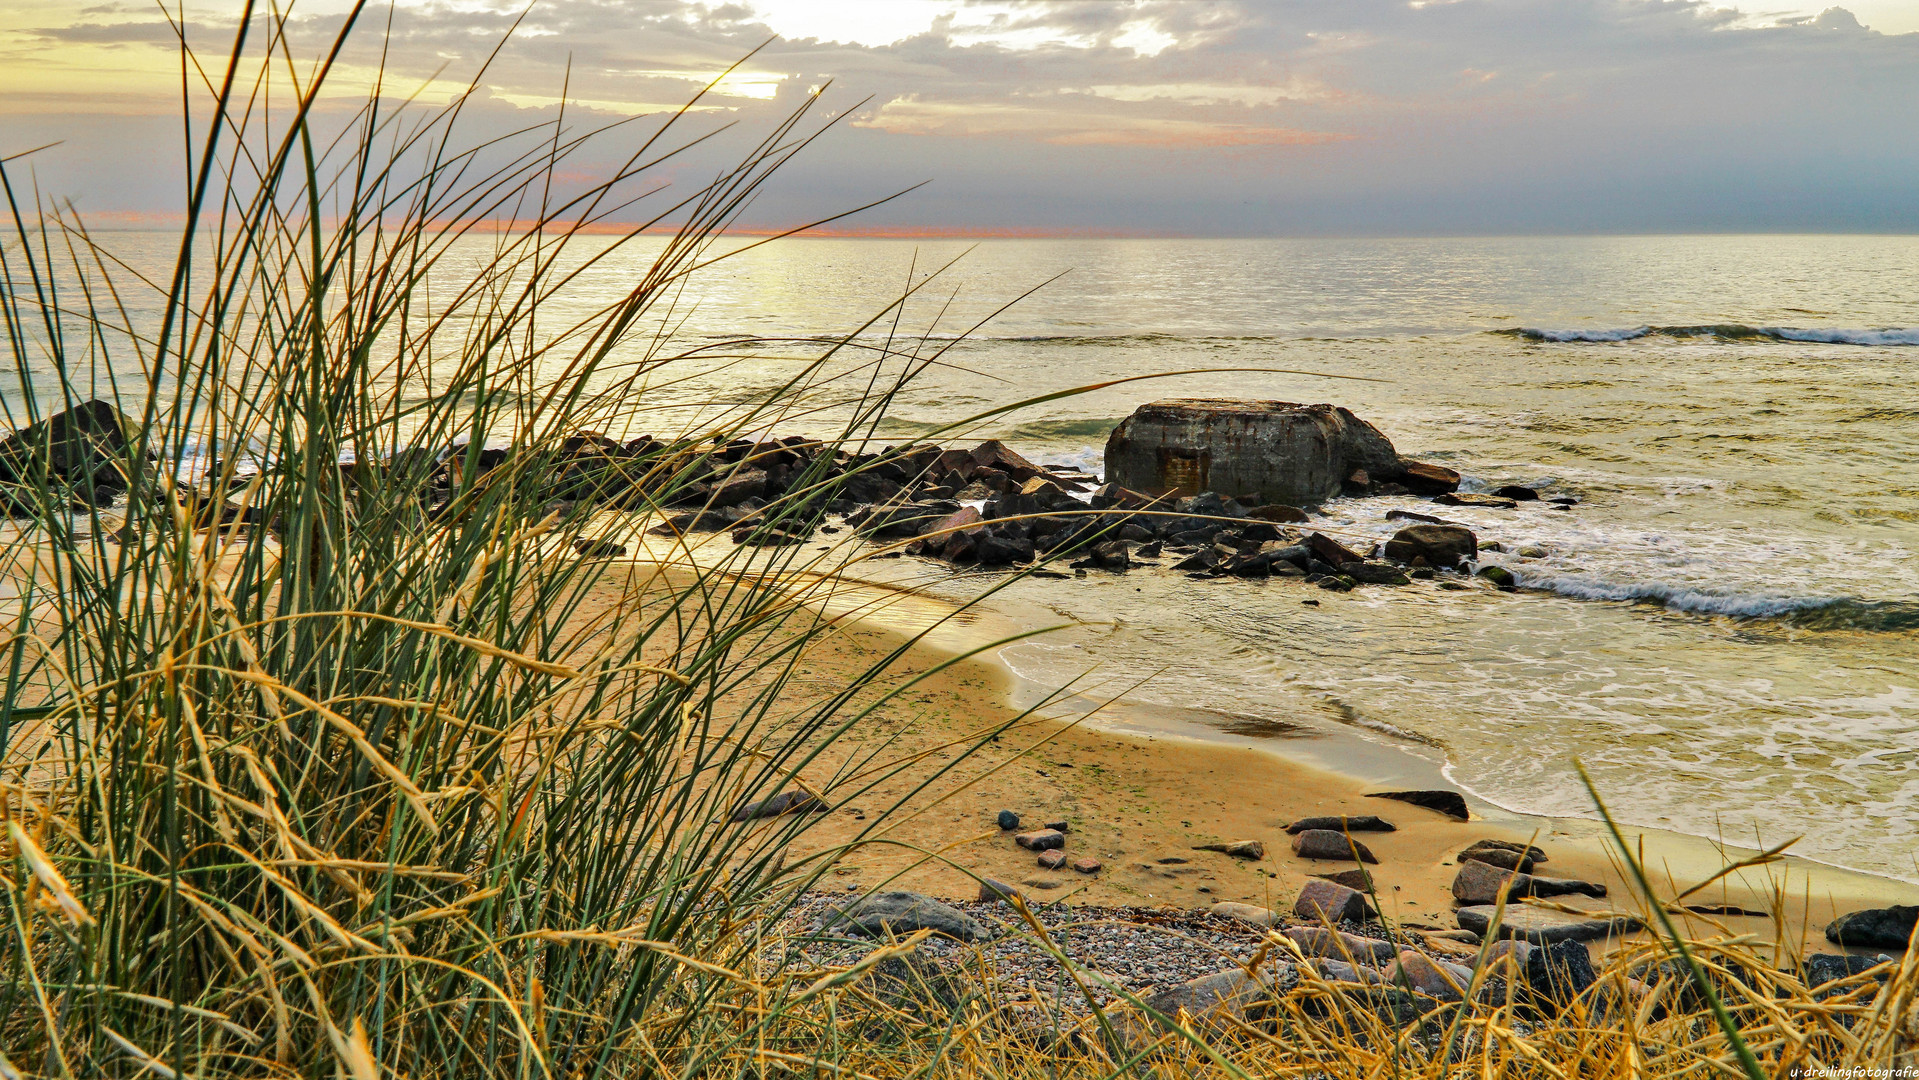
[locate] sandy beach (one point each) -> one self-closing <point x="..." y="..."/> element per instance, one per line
<point x="1143" y="789"/>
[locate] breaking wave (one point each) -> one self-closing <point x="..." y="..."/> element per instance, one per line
<point x="1805" y="612"/>
<point x="1888" y="336"/>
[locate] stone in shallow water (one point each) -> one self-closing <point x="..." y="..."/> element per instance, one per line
<point x="1542" y="926"/>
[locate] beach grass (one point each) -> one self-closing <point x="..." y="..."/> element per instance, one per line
<point x="324" y="757"/>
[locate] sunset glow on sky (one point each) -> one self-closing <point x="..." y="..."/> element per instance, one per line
<point x="1154" y="116"/>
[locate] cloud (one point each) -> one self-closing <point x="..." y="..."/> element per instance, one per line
<point x="1212" y="116"/>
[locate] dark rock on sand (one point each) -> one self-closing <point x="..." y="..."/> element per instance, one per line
<point x="1504" y="854"/>
<point x="1342" y="823"/>
<point x="1059" y="826"/>
<point x="1450" y="803"/>
<point x="1875" y="928"/>
<point x="1251" y="850"/>
<point x="990" y="890"/>
<point x="901" y="913"/>
<point x="1516" y="492"/>
<point x="1326" y="901"/>
<point x="1356" y="878"/>
<point x="1279" y="451"/>
<point x="1008" y="821"/>
<point x="1041" y="840"/>
<point x="1542" y="926"/>
<point x="786" y="802"/>
<point x="1439" y="545"/>
<point x="1327" y="844"/>
<point x="1480" y="883"/>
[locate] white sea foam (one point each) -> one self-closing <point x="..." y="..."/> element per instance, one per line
<point x="1678" y="596"/>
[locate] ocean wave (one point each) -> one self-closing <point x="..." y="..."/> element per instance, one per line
<point x="1885" y="336"/>
<point x="1805" y="612"/>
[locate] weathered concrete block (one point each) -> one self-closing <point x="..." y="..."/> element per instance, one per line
<point x="1262" y="451"/>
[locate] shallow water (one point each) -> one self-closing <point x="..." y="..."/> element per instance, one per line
<point x="1725" y="630"/>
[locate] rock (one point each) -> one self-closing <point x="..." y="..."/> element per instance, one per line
<point x="901" y="913"/>
<point x="993" y="454"/>
<point x="599" y="549"/>
<point x="1279" y="451"/>
<point x="1504" y="854"/>
<point x="1086" y="865"/>
<point x="1450" y="803"/>
<point x="1480" y="883"/>
<point x="1509" y="951"/>
<point x="1332" y="552"/>
<point x="1247" y="913"/>
<point x="1058" y="826"/>
<point x="1464" y="498"/>
<point x="1423" y="479"/>
<point x="786" y="802"/>
<point x="1327" y="844"/>
<point x="1543" y="926"/>
<point x="1560" y="971"/>
<point x="1439" y="545"/>
<point x="901" y="519"/>
<point x="1039" y="495"/>
<point x="766" y="536"/>
<point x="1279" y="512"/>
<point x="1875" y="928"/>
<point x="1007" y="821"/>
<point x="1499" y="576"/>
<point x="1447" y="982"/>
<point x="1320" y="941"/>
<point x="965" y="521"/>
<point x="85" y="446"/>
<point x="990" y="890"/>
<point x="1041" y="840"/>
<point x="1052" y="860"/>
<point x="1335" y="584"/>
<point x="1111" y="555"/>
<point x="1219" y="998"/>
<point x="1342" y="823"/>
<point x="736" y="486"/>
<point x="1356" y="878"/>
<point x="1408" y="515"/>
<point x="1377" y="573"/>
<point x="1323" y="901"/>
<point x="1251" y="850"/>
<point x="1822" y="968"/>
<point x="1517" y="493"/>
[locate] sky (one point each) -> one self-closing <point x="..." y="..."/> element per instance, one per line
<point x="1084" y="117"/>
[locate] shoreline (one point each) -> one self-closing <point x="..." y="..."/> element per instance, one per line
<point x="1143" y="787"/>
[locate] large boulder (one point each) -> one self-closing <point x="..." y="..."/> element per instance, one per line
<point x="85" y="443"/>
<point x="1255" y="451"/>
<point x="901" y="913"/>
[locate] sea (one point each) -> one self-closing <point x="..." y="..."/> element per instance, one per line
<point x="1723" y="632"/>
